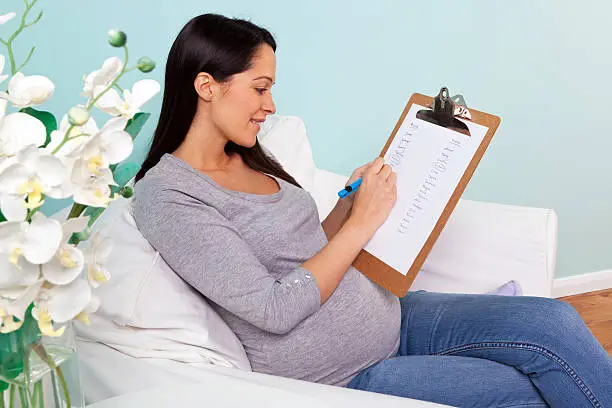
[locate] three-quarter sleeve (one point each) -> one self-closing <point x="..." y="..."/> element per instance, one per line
<point x="204" y="249"/>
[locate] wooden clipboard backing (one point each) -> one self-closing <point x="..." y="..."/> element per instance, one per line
<point x="380" y="272"/>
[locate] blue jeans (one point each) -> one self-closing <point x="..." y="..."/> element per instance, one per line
<point x="493" y="351"/>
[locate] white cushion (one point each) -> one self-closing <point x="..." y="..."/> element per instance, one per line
<point x="484" y="245"/>
<point x="285" y="138"/>
<point x="149" y="311"/>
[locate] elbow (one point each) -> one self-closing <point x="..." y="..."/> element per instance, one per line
<point x="282" y="314"/>
<point x="280" y="318"/>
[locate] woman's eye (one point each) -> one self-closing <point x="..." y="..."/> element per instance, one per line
<point x="261" y="90"/>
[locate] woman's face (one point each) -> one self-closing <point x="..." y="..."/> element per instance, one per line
<point x="247" y="99"/>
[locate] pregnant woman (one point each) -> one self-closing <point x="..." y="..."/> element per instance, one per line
<point x="235" y="226"/>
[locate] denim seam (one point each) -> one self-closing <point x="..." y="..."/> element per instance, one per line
<point x="434" y="326"/>
<point x="539" y="349"/>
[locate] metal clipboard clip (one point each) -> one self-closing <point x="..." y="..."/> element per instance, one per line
<point x="445" y="112"/>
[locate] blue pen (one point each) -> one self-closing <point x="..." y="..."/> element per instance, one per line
<point x="350" y="189"/>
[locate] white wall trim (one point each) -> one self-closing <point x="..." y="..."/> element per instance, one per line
<point x="589" y="282"/>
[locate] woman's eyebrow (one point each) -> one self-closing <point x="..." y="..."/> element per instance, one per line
<point x="265" y="77"/>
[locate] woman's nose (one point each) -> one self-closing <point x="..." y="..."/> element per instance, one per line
<point x="269" y="106"/>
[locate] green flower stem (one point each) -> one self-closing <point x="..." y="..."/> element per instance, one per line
<point x="31" y="213"/>
<point x="40" y="350"/>
<point x="39" y="387"/>
<point x="27" y="59"/>
<point x="37" y="394"/>
<point x="9" y="42"/>
<point x="62" y="379"/>
<point x="76" y="210"/>
<point x="67" y="139"/>
<point x="2" y="399"/>
<point x="12" y="396"/>
<point x="23" y="397"/>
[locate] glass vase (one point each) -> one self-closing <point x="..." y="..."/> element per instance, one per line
<point x="39" y="371"/>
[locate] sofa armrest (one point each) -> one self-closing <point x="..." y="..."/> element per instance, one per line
<point x="483" y="245"/>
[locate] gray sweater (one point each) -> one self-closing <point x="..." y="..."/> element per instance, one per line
<point x="244" y="252"/>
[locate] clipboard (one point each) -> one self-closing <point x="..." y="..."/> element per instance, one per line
<point x="442" y="111"/>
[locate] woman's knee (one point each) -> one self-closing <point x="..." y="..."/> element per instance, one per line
<point x="553" y="316"/>
<point x="557" y="310"/>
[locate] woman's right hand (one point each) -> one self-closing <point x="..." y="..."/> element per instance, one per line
<point x="375" y="197"/>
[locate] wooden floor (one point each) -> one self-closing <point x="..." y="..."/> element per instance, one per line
<point x="596" y="310"/>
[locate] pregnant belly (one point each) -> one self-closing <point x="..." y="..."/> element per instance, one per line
<point x="357" y="327"/>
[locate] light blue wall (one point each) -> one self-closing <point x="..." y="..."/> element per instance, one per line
<point x="348" y="68"/>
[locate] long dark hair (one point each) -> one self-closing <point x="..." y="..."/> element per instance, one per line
<point x="222" y="47"/>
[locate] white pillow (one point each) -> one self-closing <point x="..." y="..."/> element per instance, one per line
<point x="149" y="311"/>
<point x="285" y="138"/>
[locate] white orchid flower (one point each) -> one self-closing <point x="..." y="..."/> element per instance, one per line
<point x="24" y="91"/>
<point x="95" y="257"/>
<point x="79" y="135"/>
<point x="92" y="189"/>
<point x="92" y="307"/>
<point x="103" y="76"/>
<point x="32" y="175"/>
<point x="109" y="146"/>
<point x="91" y="175"/>
<point x="132" y="101"/>
<point x="19" y="130"/>
<point x="2" y="62"/>
<point x="14" y="303"/>
<point x="19" y="280"/>
<point x="68" y="262"/>
<point x="18" y="274"/>
<point x="59" y="304"/>
<point x="37" y="241"/>
<point x="4" y="18"/>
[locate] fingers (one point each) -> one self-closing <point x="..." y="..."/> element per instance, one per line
<point x="375" y="166"/>
<point x="385" y="171"/>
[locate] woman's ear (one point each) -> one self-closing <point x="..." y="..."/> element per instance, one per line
<point x="204" y="84"/>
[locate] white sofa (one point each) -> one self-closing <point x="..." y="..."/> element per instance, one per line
<point x="130" y="359"/>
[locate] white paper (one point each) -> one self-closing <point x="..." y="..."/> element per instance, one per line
<point x="430" y="161"/>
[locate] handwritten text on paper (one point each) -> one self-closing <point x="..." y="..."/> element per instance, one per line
<point x="429" y="161"/>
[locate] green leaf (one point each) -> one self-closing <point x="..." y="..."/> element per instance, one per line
<point x="125" y="172"/>
<point x="46" y="118"/>
<point x="135" y="125"/>
<point x="2" y="217"/>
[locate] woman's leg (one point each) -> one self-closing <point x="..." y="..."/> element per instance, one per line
<point x="457" y="381"/>
<point x="545" y="339"/>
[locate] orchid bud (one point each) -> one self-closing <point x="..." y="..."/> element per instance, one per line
<point x="117" y="38"/>
<point x="146" y="64"/>
<point x="126" y="192"/>
<point x="78" y="116"/>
